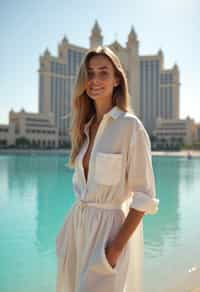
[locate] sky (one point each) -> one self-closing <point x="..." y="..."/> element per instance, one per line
<point x="27" y="28"/>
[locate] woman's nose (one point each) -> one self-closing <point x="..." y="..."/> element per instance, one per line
<point x="95" y="79"/>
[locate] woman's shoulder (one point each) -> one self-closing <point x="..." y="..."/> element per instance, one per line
<point x="132" y="120"/>
<point x="133" y="126"/>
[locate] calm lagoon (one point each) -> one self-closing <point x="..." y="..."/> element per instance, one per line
<point x="36" y="194"/>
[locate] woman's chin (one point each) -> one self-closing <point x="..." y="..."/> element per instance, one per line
<point x="96" y="94"/>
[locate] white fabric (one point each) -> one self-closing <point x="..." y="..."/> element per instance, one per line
<point x="120" y="177"/>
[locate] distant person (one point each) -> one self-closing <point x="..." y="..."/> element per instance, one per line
<point x="189" y="155"/>
<point x="100" y="245"/>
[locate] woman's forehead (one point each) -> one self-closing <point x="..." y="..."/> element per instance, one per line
<point x="99" y="62"/>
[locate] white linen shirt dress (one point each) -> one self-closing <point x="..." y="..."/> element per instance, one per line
<point x="120" y="176"/>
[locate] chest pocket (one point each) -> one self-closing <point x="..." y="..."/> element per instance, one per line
<point x="108" y="168"/>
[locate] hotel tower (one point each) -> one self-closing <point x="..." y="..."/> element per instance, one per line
<point x="154" y="90"/>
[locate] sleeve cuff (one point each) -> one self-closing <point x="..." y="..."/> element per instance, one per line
<point x="144" y="203"/>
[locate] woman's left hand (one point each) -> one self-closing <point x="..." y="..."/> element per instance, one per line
<point x="112" y="255"/>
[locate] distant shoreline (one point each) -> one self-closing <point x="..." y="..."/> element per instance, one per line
<point x="182" y="153"/>
<point x="34" y="151"/>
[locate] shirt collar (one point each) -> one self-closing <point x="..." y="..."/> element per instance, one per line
<point x="115" y="112"/>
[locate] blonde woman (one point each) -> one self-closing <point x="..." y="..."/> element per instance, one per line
<point x="100" y="245"/>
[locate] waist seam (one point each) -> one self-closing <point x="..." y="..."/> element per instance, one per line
<point x="106" y="206"/>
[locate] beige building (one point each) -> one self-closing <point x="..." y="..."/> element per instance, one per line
<point x="4" y="130"/>
<point x="159" y="90"/>
<point x="198" y="131"/>
<point x="154" y="90"/>
<point x="176" y="130"/>
<point x="169" y="93"/>
<point x="38" y="128"/>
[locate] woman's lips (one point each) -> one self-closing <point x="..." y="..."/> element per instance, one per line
<point x="96" y="88"/>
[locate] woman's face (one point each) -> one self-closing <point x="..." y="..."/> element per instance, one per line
<point x="101" y="78"/>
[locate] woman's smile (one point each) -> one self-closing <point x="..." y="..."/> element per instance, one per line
<point x="96" y="89"/>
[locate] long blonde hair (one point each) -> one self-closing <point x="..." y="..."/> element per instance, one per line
<point x="83" y="107"/>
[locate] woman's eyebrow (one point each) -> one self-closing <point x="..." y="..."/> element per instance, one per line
<point x="100" y="68"/>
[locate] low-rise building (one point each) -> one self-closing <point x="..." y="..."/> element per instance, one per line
<point x="198" y="131"/>
<point x="4" y="134"/>
<point x="37" y="128"/>
<point x="176" y="130"/>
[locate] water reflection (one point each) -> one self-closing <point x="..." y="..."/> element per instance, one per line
<point x="163" y="228"/>
<point x="55" y="196"/>
<point x="171" y="237"/>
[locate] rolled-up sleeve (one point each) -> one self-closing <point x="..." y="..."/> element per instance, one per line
<point x="140" y="172"/>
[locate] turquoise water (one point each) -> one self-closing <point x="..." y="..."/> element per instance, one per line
<point x="36" y="194"/>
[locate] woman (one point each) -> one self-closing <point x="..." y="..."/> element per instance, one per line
<point x="100" y="245"/>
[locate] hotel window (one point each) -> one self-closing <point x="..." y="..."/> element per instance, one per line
<point x="77" y="61"/>
<point x="152" y="90"/>
<point x="56" y="96"/>
<point x="171" y="104"/>
<point x="65" y="69"/>
<point x="146" y="97"/>
<point x="78" y="57"/>
<point x="41" y="92"/>
<point x="57" y="68"/>
<point x="161" y="102"/>
<point x="51" y="67"/>
<point x="69" y="61"/>
<point x="142" y="88"/>
<point x="61" y="69"/>
<point x="51" y="92"/>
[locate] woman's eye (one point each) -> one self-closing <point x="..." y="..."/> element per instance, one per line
<point x="104" y="73"/>
<point x="101" y="74"/>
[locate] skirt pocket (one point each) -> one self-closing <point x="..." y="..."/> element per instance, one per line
<point x="99" y="263"/>
<point x="106" y="263"/>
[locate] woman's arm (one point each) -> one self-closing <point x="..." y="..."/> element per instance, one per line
<point x="140" y="180"/>
<point x="130" y="224"/>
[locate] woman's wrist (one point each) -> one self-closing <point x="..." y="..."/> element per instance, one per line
<point x="117" y="247"/>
